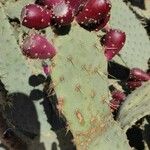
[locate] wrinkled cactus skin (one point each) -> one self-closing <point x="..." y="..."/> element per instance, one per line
<point x="79" y="76"/>
<point x="135" y="107"/>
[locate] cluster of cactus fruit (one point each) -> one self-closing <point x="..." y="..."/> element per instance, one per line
<point x="91" y="15"/>
<point x="79" y="71"/>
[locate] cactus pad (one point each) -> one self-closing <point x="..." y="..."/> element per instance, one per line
<point x="136" y="50"/>
<point x="135" y="106"/>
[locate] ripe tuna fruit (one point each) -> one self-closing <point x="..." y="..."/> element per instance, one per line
<point x="50" y="3"/>
<point x="103" y="23"/>
<point x="77" y="5"/>
<point x="117" y="98"/>
<point x="118" y="95"/>
<point x="132" y="85"/>
<point x="37" y="46"/>
<point x="113" y="41"/>
<point x="94" y="13"/>
<point x="137" y="74"/>
<point x="114" y="104"/>
<point x="35" y="16"/>
<point x="62" y="13"/>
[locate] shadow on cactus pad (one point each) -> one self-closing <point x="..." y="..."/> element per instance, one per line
<point x="24" y="117"/>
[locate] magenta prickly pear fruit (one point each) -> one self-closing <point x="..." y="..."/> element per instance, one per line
<point x="37" y="46"/>
<point x="118" y="95"/>
<point x="114" y="104"/>
<point x="94" y="13"/>
<point x="103" y="23"/>
<point x="77" y="5"/>
<point x="50" y="3"/>
<point x="132" y="85"/>
<point x="35" y="16"/>
<point x="62" y="13"/>
<point x="113" y="41"/>
<point x="137" y="74"/>
<point x="117" y="98"/>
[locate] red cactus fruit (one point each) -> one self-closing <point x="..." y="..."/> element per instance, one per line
<point x="62" y="13"/>
<point x="77" y="5"/>
<point x="137" y="74"/>
<point x="118" y="95"/>
<point x="114" y="104"/>
<point x="50" y="3"/>
<point x="35" y="16"/>
<point x="132" y="85"/>
<point x="94" y="14"/>
<point x="37" y="46"/>
<point x="113" y="41"/>
<point x="103" y="23"/>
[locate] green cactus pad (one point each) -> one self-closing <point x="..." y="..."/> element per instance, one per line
<point x="136" y="51"/>
<point x="79" y="74"/>
<point x="109" y="140"/>
<point x="135" y="106"/>
<point x="14" y="66"/>
<point x="81" y="85"/>
<point x="14" y="71"/>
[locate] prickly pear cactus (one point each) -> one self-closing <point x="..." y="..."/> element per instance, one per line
<point x="135" y="107"/>
<point x="80" y="82"/>
<point x="15" y="73"/>
<point x="11" y="57"/>
<point x="79" y="77"/>
<point x="136" y="51"/>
